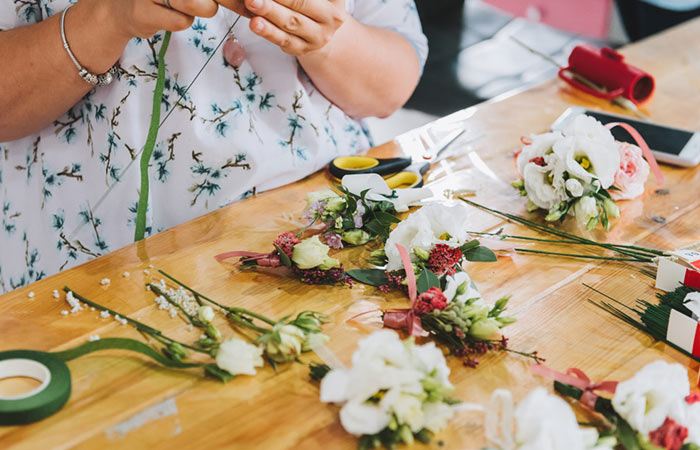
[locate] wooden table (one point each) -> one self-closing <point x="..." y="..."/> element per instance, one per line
<point x="122" y="400"/>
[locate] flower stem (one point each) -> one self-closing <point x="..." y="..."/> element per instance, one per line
<point x="571" y="255"/>
<point x="245" y="323"/>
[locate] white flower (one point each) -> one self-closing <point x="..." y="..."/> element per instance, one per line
<point x="205" y="313"/>
<point x="432" y="224"/>
<point x="692" y="421"/>
<point x="320" y="196"/>
<point x="656" y="392"/>
<point x="290" y="342"/>
<point x="574" y="187"/>
<point x="378" y="190"/>
<point x="436" y="415"/>
<point x="408" y="408"/>
<point x="540" y="146"/>
<point x="239" y="357"/>
<point x="312" y="253"/>
<point x="546" y="422"/>
<point x="460" y="288"/>
<point x="589" y="151"/>
<point x="585" y="209"/>
<point x="545" y="185"/>
<point x="360" y="418"/>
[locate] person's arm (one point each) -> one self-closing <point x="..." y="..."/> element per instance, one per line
<point x="364" y="70"/>
<point x="39" y="82"/>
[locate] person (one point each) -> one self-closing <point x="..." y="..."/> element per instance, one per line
<point x="283" y="97"/>
<point x="642" y="18"/>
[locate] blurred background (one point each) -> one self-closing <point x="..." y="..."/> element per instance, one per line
<point x="473" y="56"/>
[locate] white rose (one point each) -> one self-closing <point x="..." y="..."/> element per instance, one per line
<point x="239" y="357"/>
<point x="460" y="288"/>
<point x="407" y="407"/>
<point x="540" y="190"/>
<point x="205" y="313"/>
<point x="312" y="253"/>
<point x="429" y="358"/>
<point x="436" y="416"/>
<point x="320" y="196"/>
<point x="589" y="151"/>
<point x="291" y="339"/>
<point x="360" y="418"/>
<point x="546" y="422"/>
<point x="693" y="423"/>
<point x="574" y="187"/>
<point x="656" y="392"/>
<point x="585" y="209"/>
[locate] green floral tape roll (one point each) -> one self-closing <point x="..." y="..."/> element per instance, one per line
<point x="41" y="402"/>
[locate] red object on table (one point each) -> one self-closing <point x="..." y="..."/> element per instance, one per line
<point x="607" y="68"/>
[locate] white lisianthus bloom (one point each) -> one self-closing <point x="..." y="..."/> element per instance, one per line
<point x="429" y="358"/>
<point x="360" y="418"/>
<point x="574" y="187"/>
<point x="291" y="340"/>
<point x="545" y="185"/>
<point x="432" y="224"/>
<point x="540" y="146"/>
<point x="312" y="253"/>
<point x="692" y="421"/>
<point x="408" y="408"/>
<point x="436" y="415"/>
<point x="239" y="357"/>
<point x="589" y="151"/>
<point x="585" y="209"/>
<point x="205" y="313"/>
<point x="460" y="288"/>
<point x="546" y="422"/>
<point x="656" y="392"/>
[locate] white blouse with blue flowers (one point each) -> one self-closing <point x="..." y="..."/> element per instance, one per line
<point x="236" y="132"/>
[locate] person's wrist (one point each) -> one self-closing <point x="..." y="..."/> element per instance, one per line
<point x="347" y="28"/>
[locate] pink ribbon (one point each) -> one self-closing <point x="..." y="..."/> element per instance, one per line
<point x="406" y="318"/>
<point x="578" y="379"/>
<point x="262" y="259"/>
<point x="646" y="151"/>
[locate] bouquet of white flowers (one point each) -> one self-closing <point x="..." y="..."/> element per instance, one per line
<point x="580" y="172"/>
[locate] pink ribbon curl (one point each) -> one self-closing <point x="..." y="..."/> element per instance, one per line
<point x="262" y="259"/>
<point x="646" y="151"/>
<point x="406" y="318"/>
<point x="578" y="379"/>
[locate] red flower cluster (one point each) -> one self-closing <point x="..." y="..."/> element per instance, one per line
<point x="539" y="161"/>
<point x="694" y="397"/>
<point x="287" y="241"/>
<point x="394" y="281"/>
<point x="431" y="300"/>
<point x="670" y="435"/>
<point x="444" y="258"/>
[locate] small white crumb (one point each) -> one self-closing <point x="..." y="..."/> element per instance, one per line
<point x="148" y="287"/>
<point x="56" y="294"/>
<point x="92" y="308"/>
<point x="64" y="312"/>
<point x="146" y="272"/>
<point x="202" y="336"/>
<point x="105" y="281"/>
<point x="126" y="274"/>
<point x="123" y="321"/>
<point x="94" y="337"/>
<point x="173" y="312"/>
<point x="73" y="302"/>
<point x="151" y="266"/>
<point x="104" y="314"/>
<point x="31" y="294"/>
<point x="633" y="276"/>
<point x="676" y="208"/>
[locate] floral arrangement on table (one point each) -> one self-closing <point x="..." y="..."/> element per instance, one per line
<point x="541" y="421"/>
<point x="306" y="258"/>
<point x="394" y="392"/>
<point x="277" y="341"/>
<point x="653" y="410"/>
<point x="580" y="172"/>
<point x="445" y="302"/>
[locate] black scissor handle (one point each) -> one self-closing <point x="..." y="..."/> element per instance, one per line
<point x="349" y="165"/>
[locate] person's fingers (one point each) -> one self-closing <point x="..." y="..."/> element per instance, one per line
<point x="195" y="8"/>
<point x="318" y="10"/>
<point x="289" y="43"/>
<point x="237" y="6"/>
<point x="164" y="18"/>
<point x="287" y="20"/>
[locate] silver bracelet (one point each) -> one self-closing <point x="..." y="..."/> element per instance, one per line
<point x="90" y="78"/>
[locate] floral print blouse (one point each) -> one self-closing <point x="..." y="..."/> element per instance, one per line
<point x="236" y="132"/>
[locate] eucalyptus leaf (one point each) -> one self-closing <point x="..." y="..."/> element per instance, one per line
<point x="627" y="436"/>
<point x="480" y="254"/>
<point x="372" y="277"/>
<point x="469" y="245"/>
<point x="426" y="280"/>
<point x="284" y="259"/>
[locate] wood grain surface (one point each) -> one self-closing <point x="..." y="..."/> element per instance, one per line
<point x="124" y="401"/>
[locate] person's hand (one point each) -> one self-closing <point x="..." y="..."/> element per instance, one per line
<point x="298" y="27"/>
<point x="144" y="18"/>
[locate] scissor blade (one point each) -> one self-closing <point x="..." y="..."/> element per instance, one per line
<point x="433" y="153"/>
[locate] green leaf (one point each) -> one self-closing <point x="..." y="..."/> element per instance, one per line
<point x="215" y="371"/>
<point x="377" y="228"/>
<point x="627" y="436"/>
<point x="386" y="217"/>
<point x="426" y="280"/>
<point x="469" y="245"/>
<point x="318" y="371"/>
<point x="284" y="259"/>
<point x="372" y="277"/>
<point x="480" y="254"/>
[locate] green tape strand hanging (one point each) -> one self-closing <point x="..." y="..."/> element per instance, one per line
<point x="51" y="399"/>
<point x="47" y="401"/>
<point x="151" y="141"/>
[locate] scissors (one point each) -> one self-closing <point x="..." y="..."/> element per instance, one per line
<point x="405" y="172"/>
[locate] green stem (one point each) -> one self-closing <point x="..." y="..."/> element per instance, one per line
<point x="571" y="255"/>
<point x="151" y="141"/>
<point x="190" y="317"/>
<point x="244" y="323"/>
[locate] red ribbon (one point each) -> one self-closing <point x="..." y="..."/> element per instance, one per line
<point x="646" y="151"/>
<point x="262" y="259"/>
<point x="578" y="379"/>
<point x="406" y="318"/>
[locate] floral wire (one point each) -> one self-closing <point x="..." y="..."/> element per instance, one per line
<point x="572" y="255"/>
<point x="140" y="326"/>
<point x="556" y="232"/>
<point x="230" y="309"/>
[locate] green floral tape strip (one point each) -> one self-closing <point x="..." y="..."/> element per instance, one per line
<point x="56" y="386"/>
<point x="151" y="141"/>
